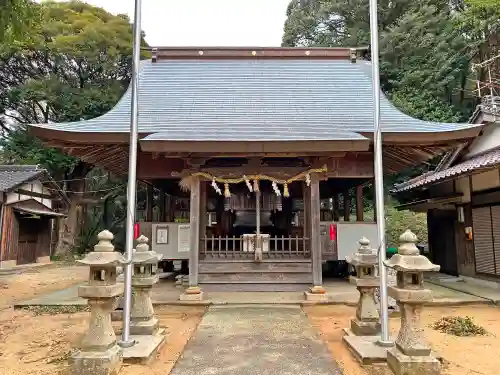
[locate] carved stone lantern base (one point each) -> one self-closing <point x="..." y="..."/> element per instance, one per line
<point x="401" y="364"/>
<point x="107" y="362"/>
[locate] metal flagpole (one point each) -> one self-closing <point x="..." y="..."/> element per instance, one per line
<point x="131" y="187"/>
<point x="379" y="177"/>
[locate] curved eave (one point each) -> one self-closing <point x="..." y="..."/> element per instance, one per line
<point x="428" y="138"/>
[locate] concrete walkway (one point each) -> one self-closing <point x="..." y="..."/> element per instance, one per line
<point x="251" y="340"/>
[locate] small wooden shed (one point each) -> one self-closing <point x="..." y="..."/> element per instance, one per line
<point x="29" y="202"/>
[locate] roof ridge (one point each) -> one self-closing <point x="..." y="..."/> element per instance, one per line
<point x="20" y="168"/>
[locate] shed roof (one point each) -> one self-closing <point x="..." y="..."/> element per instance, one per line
<point x="261" y="99"/>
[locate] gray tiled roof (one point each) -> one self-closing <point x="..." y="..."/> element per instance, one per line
<point x="300" y="99"/>
<point x="487" y="160"/>
<point x="11" y="176"/>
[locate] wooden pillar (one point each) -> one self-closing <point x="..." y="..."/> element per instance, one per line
<point x="149" y="203"/>
<point x="194" y="237"/>
<point x="359" y="203"/>
<point x="336" y="207"/>
<point x="203" y="209"/>
<point x="315" y="207"/>
<point x="306" y="194"/>
<point x="347" y="205"/>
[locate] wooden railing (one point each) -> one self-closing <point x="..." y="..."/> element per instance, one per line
<point x="244" y="247"/>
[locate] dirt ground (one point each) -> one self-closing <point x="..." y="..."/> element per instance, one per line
<point x="461" y="355"/>
<point x="38" y="281"/>
<point x="40" y="344"/>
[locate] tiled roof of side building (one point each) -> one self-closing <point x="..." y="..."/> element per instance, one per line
<point x="487" y="160"/>
<point x="259" y="100"/>
<point x="12" y="176"/>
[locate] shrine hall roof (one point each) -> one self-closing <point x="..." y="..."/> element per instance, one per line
<point x="261" y="99"/>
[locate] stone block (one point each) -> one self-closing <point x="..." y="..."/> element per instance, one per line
<point x="401" y="364"/>
<point x="360" y="328"/>
<point x="316" y="297"/>
<point x="145" y="348"/>
<point x="108" y="362"/>
<point x="43" y="260"/>
<point x="147" y="327"/>
<point x="191" y="297"/>
<point x="365" y="348"/>
<point x="410" y="295"/>
<point x="8" y="263"/>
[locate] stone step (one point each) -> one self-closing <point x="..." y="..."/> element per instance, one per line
<point x="232" y="267"/>
<point x="275" y="287"/>
<point x="256" y="278"/>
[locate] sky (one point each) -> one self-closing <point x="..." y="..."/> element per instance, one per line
<point x="206" y="22"/>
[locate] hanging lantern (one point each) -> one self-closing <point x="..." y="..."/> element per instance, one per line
<point x="286" y="193"/>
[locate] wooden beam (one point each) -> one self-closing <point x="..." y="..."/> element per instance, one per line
<point x="194" y="238"/>
<point x="347" y="205"/>
<point x="315" y="231"/>
<point x="359" y="203"/>
<point x="35" y="194"/>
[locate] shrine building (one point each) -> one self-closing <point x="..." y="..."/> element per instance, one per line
<point x="258" y="157"/>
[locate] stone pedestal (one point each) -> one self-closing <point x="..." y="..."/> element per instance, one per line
<point x="411" y="355"/>
<point x="142" y="316"/>
<point x="98" y="352"/>
<point x="193" y="293"/>
<point x="316" y="294"/>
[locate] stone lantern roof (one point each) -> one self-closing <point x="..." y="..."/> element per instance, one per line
<point x="143" y="255"/>
<point x="104" y="253"/>
<point x="408" y="258"/>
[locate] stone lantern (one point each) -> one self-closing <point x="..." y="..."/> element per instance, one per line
<point x="411" y="355"/>
<point x="99" y="353"/>
<point x="366" y="322"/>
<point x="142" y="316"/>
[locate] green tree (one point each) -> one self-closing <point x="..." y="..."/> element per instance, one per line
<point x="15" y="18"/>
<point x="75" y="64"/>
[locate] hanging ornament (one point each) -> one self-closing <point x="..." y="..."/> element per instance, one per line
<point x="308" y="179"/>
<point x="216" y="187"/>
<point x="249" y="185"/>
<point x="286" y="193"/>
<point x="227" y="193"/>
<point x="256" y="185"/>
<point x="276" y="189"/>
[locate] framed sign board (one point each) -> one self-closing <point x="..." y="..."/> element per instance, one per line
<point x="162" y="235"/>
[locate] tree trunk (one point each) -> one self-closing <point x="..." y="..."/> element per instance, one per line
<point x="69" y="227"/>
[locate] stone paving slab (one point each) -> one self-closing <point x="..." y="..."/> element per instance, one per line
<point x="339" y="292"/>
<point x="251" y="340"/>
<point x="470" y="288"/>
